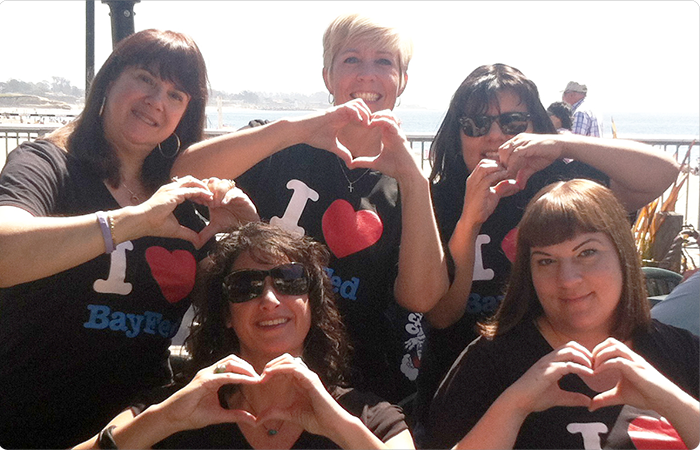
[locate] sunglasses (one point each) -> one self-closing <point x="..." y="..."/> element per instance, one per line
<point x="511" y="123"/>
<point x="247" y="284"/>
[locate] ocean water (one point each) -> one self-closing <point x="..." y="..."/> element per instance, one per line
<point x="632" y="125"/>
<point x="428" y="121"/>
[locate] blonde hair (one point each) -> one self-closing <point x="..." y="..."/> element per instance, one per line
<point x="355" y="27"/>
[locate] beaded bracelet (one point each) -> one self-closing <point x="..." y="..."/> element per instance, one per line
<point x="107" y="227"/>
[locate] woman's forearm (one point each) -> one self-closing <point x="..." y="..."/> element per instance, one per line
<point x="37" y="247"/>
<point x="422" y="278"/>
<point x="462" y="246"/>
<point x="638" y="172"/>
<point x="683" y="412"/>
<point x="498" y="428"/>
<point x="229" y="155"/>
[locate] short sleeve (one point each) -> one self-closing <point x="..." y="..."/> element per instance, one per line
<point x="32" y="177"/>
<point x="382" y="418"/>
<point x="466" y="392"/>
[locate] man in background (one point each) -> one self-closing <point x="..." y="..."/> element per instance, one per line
<point x="586" y="121"/>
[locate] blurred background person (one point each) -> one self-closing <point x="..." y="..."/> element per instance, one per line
<point x="561" y="116"/>
<point x="586" y="121"/>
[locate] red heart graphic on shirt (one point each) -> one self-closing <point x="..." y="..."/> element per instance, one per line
<point x="508" y="244"/>
<point x="651" y="433"/>
<point x="348" y="231"/>
<point x="173" y="271"/>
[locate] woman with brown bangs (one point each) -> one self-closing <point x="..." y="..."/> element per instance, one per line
<point x="100" y="247"/>
<point x="572" y="359"/>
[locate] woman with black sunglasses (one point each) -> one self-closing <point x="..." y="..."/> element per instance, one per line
<point x="273" y="354"/>
<point x="494" y="150"/>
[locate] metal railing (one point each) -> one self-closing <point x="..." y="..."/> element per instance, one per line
<point x="13" y="135"/>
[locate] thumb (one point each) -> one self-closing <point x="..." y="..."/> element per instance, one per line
<point x="607" y="398"/>
<point x="507" y="188"/>
<point x="203" y="236"/>
<point x="523" y="176"/>
<point x="186" y="234"/>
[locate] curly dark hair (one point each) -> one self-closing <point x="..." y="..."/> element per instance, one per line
<point x="326" y="348"/>
<point x="562" y="110"/>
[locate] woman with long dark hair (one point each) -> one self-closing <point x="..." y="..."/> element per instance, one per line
<point x="100" y="247"/>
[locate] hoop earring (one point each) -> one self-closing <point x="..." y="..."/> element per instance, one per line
<point x="331" y="99"/>
<point x="398" y="102"/>
<point x="102" y="106"/>
<point x="160" y="149"/>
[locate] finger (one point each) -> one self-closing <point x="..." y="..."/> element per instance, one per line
<point x="612" y="348"/>
<point x="238" y="416"/>
<point x="205" y="235"/>
<point x="184" y="233"/>
<point x="506" y="188"/>
<point x="195" y="194"/>
<point x="234" y="364"/>
<point x="523" y="176"/>
<point x="189" y="181"/>
<point x="608" y="398"/>
<point x="506" y="150"/>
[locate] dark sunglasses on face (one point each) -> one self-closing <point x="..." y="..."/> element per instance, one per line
<point x="247" y="284"/>
<point x="511" y="123"/>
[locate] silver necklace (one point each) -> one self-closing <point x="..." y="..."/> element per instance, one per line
<point x="134" y="198"/>
<point x="272" y="432"/>
<point x="351" y="183"/>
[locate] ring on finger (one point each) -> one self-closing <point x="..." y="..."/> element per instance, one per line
<point x="221" y="368"/>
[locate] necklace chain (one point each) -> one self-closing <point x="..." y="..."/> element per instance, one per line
<point x="272" y="432"/>
<point x="135" y="199"/>
<point x="351" y="183"/>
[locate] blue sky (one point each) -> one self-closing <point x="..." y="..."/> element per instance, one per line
<point x="633" y="55"/>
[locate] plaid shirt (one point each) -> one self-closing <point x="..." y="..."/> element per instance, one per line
<point x="586" y="121"/>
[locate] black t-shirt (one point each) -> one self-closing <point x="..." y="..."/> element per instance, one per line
<point x="381" y="418"/>
<point x="305" y="190"/>
<point x="487" y="367"/>
<point x="77" y="345"/>
<point x="495" y="251"/>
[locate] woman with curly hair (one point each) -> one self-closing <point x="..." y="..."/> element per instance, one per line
<point x="273" y="354"/>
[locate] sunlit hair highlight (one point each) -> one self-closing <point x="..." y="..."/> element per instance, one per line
<point x="560" y="212"/>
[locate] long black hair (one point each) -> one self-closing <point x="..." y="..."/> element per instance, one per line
<point x="473" y="97"/>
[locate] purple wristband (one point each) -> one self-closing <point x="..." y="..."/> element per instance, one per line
<point x="104" y="220"/>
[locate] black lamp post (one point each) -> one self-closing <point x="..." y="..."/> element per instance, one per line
<point x="122" y="14"/>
